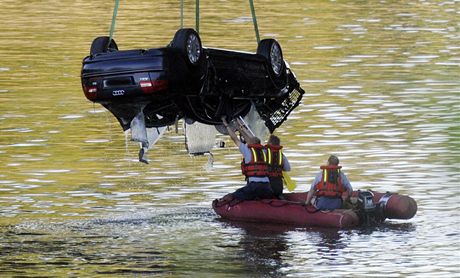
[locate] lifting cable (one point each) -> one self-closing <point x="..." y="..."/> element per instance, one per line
<point x="114" y="19"/>
<point x="181" y="14"/>
<point x="197" y="18"/>
<point x="254" y="20"/>
<point x="197" y="15"/>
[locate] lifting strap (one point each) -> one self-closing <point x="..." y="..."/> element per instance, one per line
<point x="197" y="18"/>
<point x="114" y="19"/>
<point x="181" y="14"/>
<point x="254" y="20"/>
<point x="197" y="15"/>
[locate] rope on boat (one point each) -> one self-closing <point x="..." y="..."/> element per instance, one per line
<point x="232" y="201"/>
<point x="114" y="19"/>
<point x="282" y="203"/>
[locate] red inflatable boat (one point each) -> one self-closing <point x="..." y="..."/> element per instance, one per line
<point x="371" y="208"/>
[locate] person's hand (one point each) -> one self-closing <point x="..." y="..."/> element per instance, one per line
<point x="224" y="120"/>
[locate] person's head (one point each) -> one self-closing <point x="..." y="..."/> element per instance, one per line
<point x="253" y="140"/>
<point x="333" y="160"/>
<point x="274" y="140"/>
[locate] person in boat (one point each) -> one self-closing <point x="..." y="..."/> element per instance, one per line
<point x="329" y="186"/>
<point x="277" y="163"/>
<point x="254" y="166"/>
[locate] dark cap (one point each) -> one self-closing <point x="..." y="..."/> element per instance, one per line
<point x="333" y="160"/>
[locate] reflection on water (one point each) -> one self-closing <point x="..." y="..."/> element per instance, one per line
<point x="262" y="247"/>
<point x="382" y="92"/>
<point x="186" y="240"/>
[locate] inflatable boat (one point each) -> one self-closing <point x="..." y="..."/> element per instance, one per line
<point x="369" y="208"/>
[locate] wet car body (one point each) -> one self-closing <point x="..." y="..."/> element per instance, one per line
<point x="186" y="80"/>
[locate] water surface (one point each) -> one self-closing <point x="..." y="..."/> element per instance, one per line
<point x="383" y="93"/>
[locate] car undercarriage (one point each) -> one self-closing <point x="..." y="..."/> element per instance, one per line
<point x="157" y="87"/>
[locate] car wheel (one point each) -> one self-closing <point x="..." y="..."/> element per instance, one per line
<point x="188" y="42"/>
<point x="101" y="45"/>
<point x="271" y="50"/>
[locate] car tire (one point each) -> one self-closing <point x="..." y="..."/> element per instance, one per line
<point x="101" y="45"/>
<point x="188" y="43"/>
<point x="271" y="50"/>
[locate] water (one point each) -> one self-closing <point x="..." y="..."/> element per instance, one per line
<point x="382" y="82"/>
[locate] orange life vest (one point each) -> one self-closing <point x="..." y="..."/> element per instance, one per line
<point x="328" y="188"/>
<point x="274" y="160"/>
<point x="258" y="166"/>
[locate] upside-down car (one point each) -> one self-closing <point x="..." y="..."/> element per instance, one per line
<point x="186" y="80"/>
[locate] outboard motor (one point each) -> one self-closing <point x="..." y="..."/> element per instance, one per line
<point x="369" y="213"/>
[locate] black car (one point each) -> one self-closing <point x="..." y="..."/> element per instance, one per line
<point x="187" y="80"/>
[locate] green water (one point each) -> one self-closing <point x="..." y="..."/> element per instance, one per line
<point x="383" y="92"/>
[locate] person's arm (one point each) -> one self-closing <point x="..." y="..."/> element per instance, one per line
<point x="310" y="196"/>
<point x="244" y="130"/>
<point x="312" y="188"/>
<point x="231" y="133"/>
<point x="346" y="183"/>
<point x="286" y="164"/>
